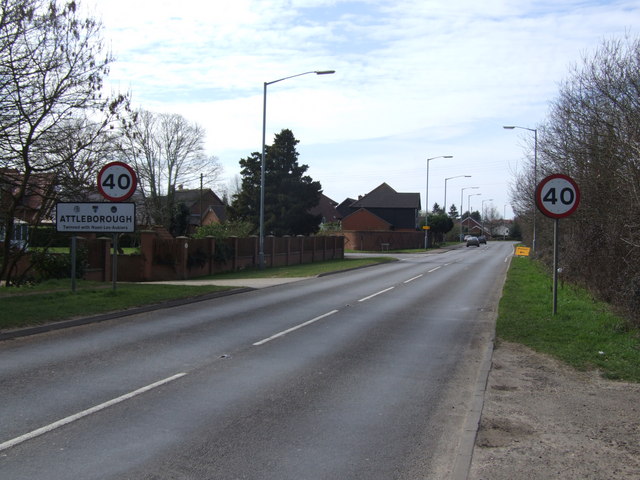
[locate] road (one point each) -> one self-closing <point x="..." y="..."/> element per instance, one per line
<point x="365" y="374"/>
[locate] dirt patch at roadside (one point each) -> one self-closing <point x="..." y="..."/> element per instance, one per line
<point x="544" y="420"/>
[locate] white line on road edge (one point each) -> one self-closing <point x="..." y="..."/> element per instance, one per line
<point x="284" y="332"/>
<point x="434" y="269"/>
<point x="376" y="294"/>
<point x="412" y="279"/>
<point x="78" y="416"/>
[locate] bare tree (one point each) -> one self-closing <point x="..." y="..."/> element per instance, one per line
<point x="593" y="134"/>
<point x="52" y="66"/>
<point x="167" y="152"/>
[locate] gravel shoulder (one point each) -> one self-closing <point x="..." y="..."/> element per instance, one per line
<point x="542" y="419"/>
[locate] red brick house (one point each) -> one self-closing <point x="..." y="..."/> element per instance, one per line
<point x="384" y="209"/>
<point x="205" y="207"/>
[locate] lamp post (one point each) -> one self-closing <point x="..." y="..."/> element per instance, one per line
<point x="504" y="223"/>
<point x="482" y="210"/>
<point x="426" y="199"/>
<point x="445" y="189"/>
<point x="469" y="204"/>
<point x="462" y="208"/>
<point x="262" y="162"/>
<point x="535" y="175"/>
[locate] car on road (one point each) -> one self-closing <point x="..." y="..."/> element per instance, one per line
<point x="473" y="241"/>
<point x="482" y="239"/>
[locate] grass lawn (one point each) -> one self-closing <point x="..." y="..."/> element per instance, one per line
<point x="584" y="333"/>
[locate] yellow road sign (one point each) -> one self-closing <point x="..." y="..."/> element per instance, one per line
<point x="522" y="251"/>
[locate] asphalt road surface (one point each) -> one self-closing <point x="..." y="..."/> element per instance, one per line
<point x="367" y="374"/>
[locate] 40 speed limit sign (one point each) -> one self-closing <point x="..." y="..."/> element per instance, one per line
<point x="557" y="196"/>
<point x="117" y="181"/>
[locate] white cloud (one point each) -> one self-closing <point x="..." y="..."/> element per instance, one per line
<point x="414" y="78"/>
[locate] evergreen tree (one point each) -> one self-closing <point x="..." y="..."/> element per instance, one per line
<point x="289" y="193"/>
<point x="440" y="225"/>
<point x="437" y="209"/>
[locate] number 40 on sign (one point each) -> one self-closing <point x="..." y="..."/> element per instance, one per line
<point x="557" y="196"/>
<point x="117" y="181"/>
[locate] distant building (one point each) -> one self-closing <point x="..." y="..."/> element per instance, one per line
<point x="382" y="209"/>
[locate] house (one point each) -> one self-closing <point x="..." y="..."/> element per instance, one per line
<point x="204" y="206"/>
<point x="343" y="209"/>
<point x="38" y="199"/>
<point x="327" y="211"/>
<point x="383" y="209"/>
<point x="470" y="226"/>
<point x="34" y="207"/>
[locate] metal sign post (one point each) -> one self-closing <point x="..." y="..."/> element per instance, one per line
<point x="74" y="255"/>
<point x="557" y="196"/>
<point x="117" y="181"/>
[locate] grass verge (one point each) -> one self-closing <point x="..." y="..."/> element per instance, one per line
<point x="39" y="307"/>
<point x="584" y="333"/>
<point x="53" y="300"/>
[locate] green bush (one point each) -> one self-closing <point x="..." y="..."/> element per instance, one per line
<point x="58" y="265"/>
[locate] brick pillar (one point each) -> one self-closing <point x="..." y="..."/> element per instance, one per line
<point x="183" y="256"/>
<point x="211" y="251"/>
<point x="147" y="238"/>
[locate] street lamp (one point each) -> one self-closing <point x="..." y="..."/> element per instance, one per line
<point x="462" y="208"/>
<point x="262" y="162"/>
<point x="482" y="210"/>
<point x="426" y="208"/>
<point x="469" y="204"/>
<point x="535" y="175"/>
<point x="445" y="189"/>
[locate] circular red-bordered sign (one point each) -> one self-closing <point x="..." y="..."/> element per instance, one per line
<point x="557" y="196"/>
<point x="117" y="181"/>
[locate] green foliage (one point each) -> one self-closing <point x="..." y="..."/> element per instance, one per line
<point x="58" y="265"/>
<point x="47" y="236"/>
<point x="437" y="209"/>
<point x="231" y="228"/>
<point x="331" y="227"/>
<point x="289" y="194"/>
<point x="516" y="231"/>
<point x="222" y="232"/>
<point x="440" y="223"/>
<point x="179" y="220"/>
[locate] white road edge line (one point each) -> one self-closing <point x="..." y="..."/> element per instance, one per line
<point x="289" y="330"/>
<point x="412" y="279"/>
<point x="434" y="269"/>
<point x="40" y="431"/>
<point x="376" y="294"/>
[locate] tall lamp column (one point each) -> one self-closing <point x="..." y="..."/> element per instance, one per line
<point x="469" y="204"/>
<point x="445" y="189"/>
<point x="535" y="176"/>
<point x="482" y="209"/>
<point x="462" y="208"/>
<point x="426" y="199"/>
<point x="262" y="162"/>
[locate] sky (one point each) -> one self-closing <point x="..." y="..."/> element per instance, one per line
<point x="414" y="79"/>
